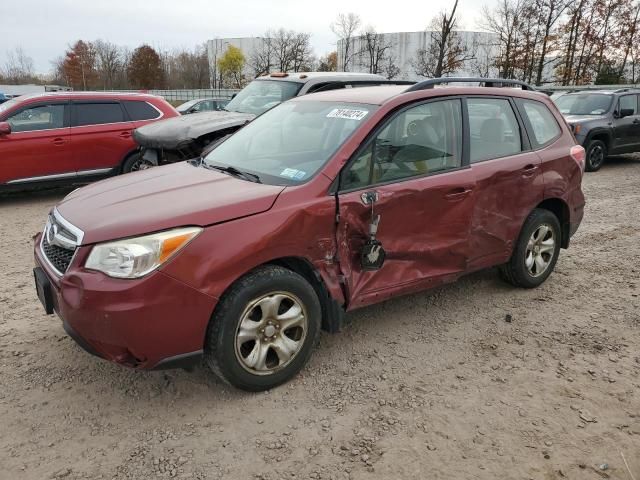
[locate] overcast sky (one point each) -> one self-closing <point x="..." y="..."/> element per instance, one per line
<point x="44" y="28"/>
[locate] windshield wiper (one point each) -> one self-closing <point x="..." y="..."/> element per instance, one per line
<point x="251" y="177"/>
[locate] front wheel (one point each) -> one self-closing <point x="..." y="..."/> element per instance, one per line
<point x="264" y="329"/>
<point x="596" y="155"/>
<point x="536" y="252"/>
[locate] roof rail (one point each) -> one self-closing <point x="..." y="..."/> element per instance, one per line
<point x="627" y="89"/>
<point x="487" y="82"/>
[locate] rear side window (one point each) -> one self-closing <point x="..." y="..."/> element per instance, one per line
<point x="40" y="117"/>
<point x="543" y="123"/>
<point x="493" y="128"/>
<point x="98" y="113"/>
<point x="138" y="110"/>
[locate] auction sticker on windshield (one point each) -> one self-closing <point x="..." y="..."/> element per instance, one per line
<point x="293" y="173"/>
<point x="347" y="113"/>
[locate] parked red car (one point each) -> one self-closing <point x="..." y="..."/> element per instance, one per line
<point x="326" y="203"/>
<point x="71" y="137"/>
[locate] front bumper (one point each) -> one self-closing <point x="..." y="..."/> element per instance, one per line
<point x="152" y="322"/>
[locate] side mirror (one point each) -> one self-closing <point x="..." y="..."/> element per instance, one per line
<point x="626" y="112"/>
<point x="5" y="128"/>
<point x="233" y="96"/>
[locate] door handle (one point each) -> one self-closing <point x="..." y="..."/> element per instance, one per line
<point x="125" y="134"/>
<point x="636" y="121"/>
<point x="58" y="141"/>
<point x="457" y="193"/>
<point x="529" y="170"/>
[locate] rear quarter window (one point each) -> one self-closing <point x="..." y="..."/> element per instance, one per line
<point x="98" y="113"/>
<point x="542" y="122"/>
<point x="140" y="110"/>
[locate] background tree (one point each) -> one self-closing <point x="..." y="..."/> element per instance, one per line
<point x="504" y="22"/>
<point x="186" y="68"/>
<point x="145" y="69"/>
<point x="345" y="27"/>
<point x="231" y="65"/>
<point x="263" y="58"/>
<point x="329" y="62"/>
<point x="446" y="52"/>
<point x="18" y="67"/>
<point x="389" y="69"/>
<point x="79" y="66"/>
<point x="375" y="50"/>
<point x="109" y="63"/>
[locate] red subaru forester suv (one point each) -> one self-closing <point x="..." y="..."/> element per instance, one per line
<point x="72" y="137"/>
<point x="324" y="204"/>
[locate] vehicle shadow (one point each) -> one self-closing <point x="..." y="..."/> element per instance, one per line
<point x="43" y="194"/>
<point x="191" y="386"/>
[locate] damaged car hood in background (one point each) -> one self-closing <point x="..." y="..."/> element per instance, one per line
<point x="174" y="132"/>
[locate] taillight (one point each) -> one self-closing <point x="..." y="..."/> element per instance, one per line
<point x="579" y="155"/>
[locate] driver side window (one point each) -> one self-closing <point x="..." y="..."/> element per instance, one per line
<point x="39" y="117"/>
<point x="422" y="140"/>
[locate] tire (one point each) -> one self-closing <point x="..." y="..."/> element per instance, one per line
<point x="263" y="302"/>
<point x="596" y="155"/>
<point x="134" y="163"/>
<point x="523" y="269"/>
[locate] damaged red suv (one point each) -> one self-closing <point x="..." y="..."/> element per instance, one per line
<point x="326" y="203"/>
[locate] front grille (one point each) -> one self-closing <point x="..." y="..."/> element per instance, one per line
<point x="60" y="240"/>
<point x="59" y="257"/>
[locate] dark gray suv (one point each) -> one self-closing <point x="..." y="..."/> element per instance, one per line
<point x="603" y="122"/>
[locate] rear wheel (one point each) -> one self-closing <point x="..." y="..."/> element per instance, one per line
<point x="536" y="252"/>
<point x="135" y="162"/>
<point x="264" y="329"/>
<point x="596" y="155"/>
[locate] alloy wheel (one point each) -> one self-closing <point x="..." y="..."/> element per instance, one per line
<point x="596" y="156"/>
<point x="141" y="164"/>
<point x="271" y="332"/>
<point x="540" y="250"/>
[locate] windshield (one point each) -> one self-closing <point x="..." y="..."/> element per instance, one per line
<point x="261" y="95"/>
<point x="584" y="104"/>
<point x="187" y="105"/>
<point x="289" y="144"/>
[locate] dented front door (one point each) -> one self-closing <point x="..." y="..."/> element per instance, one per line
<point x="424" y="229"/>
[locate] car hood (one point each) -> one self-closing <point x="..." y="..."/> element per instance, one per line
<point x="174" y="132"/>
<point x="161" y="198"/>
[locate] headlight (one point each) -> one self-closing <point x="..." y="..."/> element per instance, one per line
<point x="136" y="257"/>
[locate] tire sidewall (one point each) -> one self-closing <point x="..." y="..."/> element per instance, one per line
<point x="537" y="218"/>
<point x="220" y="347"/>
<point x="592" y="144"/>
<point x="128" y="163"/>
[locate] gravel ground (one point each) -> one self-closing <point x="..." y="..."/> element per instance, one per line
<point x="475" y="380"/>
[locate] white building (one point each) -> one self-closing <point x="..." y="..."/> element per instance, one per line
<point x="404" y="48"/>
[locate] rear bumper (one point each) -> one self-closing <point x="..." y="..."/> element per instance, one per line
<point x="151" y="323"/>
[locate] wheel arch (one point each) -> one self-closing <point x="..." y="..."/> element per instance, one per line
<point x="332" y="310"/>
<point x="560" y="209"/>
<point x="120" y="168"/>
<point x="599" y="134"/>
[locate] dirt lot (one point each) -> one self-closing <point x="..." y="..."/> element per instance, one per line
<point x="437" y="385"/>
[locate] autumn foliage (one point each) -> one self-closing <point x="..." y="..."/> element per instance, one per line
<point x="145" y="69"/>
